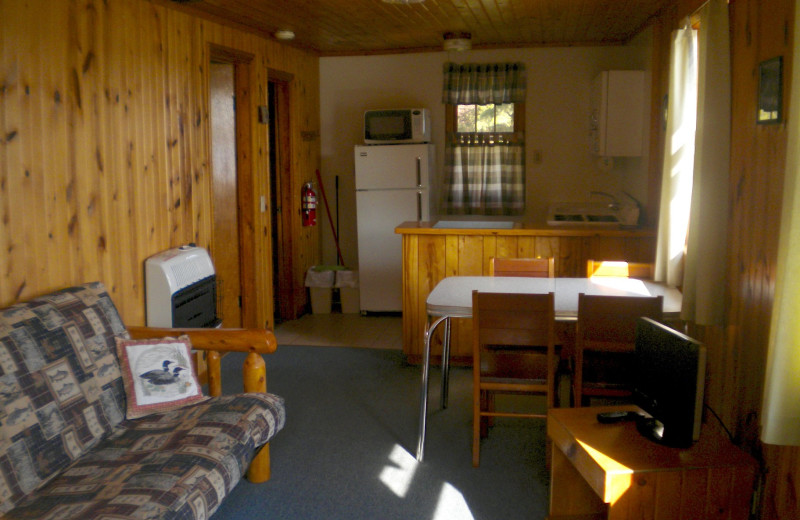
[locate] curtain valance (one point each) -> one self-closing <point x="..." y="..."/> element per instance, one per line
<point x="483" y="83"/>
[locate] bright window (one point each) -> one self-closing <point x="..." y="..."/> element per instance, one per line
<point x="485" y="118"/>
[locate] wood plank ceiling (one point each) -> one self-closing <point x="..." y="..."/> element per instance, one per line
<point x="352" y="27"/>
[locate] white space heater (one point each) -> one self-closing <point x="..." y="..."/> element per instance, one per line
<point x="181" y="288"/>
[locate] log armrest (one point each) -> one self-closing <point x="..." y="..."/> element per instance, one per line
<point x="254" y="341"/>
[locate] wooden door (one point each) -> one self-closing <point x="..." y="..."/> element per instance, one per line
<point x="225" y="249"/>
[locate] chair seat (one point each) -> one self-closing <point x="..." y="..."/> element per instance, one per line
<point x="519" y="384"/>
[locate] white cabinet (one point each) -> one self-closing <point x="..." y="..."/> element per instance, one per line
<point x="617" y="120"/>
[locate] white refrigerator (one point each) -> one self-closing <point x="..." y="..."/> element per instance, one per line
<point x="392" y="187"/>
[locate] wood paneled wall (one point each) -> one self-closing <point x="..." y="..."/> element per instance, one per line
<point x="760" y="30"/>
<point x="104" y="145"/>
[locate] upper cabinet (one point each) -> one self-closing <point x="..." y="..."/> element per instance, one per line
<point x="617" y="119"/>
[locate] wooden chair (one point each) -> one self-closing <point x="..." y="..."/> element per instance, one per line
<point x="605" y="343"/>
<point x="615" y="268"/>
<point x="513" y="352"/>
<point x="530" y="267"/>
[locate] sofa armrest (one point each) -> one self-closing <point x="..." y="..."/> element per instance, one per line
<point x="254" y="341"/>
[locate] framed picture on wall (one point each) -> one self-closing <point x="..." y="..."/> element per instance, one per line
<point x="770" y="74"/>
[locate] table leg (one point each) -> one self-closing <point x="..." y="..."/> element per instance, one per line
<point x="423" y="399"/>
<point x="445" y="364"/>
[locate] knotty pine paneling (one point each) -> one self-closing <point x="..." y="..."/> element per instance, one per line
<point x="760" y="31"/>
<point x="105" y="145"/>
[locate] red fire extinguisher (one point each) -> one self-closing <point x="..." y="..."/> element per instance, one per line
<point x="308" y="205"/>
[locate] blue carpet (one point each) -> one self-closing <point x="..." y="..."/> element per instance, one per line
<point x="347" y="450"/>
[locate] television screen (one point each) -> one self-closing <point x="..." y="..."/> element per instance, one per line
<point x="669" y="383"/>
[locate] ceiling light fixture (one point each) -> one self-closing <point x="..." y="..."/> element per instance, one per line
<point x="457" y="41"/>
<point x="284" y="34"/>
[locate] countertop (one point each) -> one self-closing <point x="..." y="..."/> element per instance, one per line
<point x="526" y="229"/>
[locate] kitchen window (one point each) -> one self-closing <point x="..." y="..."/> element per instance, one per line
<point x="484" y="148"/>
<point x="489" y="118"/>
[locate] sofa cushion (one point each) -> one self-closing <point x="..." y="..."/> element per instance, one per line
<point x="158" y="375"/>
<point x="60" y="385"/>
<point x="174" y="465"/>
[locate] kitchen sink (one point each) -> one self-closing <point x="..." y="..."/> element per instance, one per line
<point x="567" y="218"/>
<point x="592" y="214"/>
<point x="601" y="218"/>
<point x="577" y="218"/>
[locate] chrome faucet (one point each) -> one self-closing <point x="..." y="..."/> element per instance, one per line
<point x="614" y="204"/>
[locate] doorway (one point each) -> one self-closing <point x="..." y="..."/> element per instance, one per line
<point x="222" y="100"/>
<point x="281" y="193"/>
<point x="231" y="178"/>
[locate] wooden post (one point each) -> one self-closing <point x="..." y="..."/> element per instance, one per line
<point x="254" y="373"/>
<point x="255" y="380"/>
<point x="214" y="376"/>
<point x="259" y="470"/>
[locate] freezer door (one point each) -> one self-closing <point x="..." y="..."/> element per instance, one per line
<point x="380" y="255"/>
<point x="393" y="166"/>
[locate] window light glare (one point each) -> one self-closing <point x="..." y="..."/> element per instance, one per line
<point x="398" y="476"/>
<point x="451" y="505"/>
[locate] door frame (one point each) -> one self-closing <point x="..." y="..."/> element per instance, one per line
<point x="242" y="63"/>
<point x="283" y="242"/>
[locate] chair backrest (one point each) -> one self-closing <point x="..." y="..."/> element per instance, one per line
<point x="527" y="267"/>
<point x="615" y="268"/>
<point x="608" y="323"/>
<point x="605" y="339"/>
<point x="513" y="350"/>
<point x="510" y="319"/>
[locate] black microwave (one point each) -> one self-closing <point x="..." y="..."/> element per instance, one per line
<point x="395" y="126"/>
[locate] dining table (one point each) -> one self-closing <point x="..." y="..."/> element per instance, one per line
<point x="452" y="298"/>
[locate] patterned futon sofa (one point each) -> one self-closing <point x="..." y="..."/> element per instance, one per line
<point x="66" y="448"/>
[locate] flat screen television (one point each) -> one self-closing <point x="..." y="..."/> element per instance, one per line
<point x="669" y="384"/>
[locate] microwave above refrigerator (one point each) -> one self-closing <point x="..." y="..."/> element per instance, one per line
<point x="397" y="126"/>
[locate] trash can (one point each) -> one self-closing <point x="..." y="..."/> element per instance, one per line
<point x="319" y="281"/>
<point x="347" y="283"/>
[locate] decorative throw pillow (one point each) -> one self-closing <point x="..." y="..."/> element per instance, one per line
<point x="158" y="375"/>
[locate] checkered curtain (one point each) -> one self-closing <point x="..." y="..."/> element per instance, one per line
<point x="483" y="83"/>
<point x="484" y="172"/>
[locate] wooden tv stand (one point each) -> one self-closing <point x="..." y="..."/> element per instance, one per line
<point x="611" y="471"/>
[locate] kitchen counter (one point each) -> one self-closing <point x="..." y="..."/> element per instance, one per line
<point x="433" y="253"/>
<point x="524" y="229"/>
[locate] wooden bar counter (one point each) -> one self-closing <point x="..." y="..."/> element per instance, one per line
<point x="430" y="254"/>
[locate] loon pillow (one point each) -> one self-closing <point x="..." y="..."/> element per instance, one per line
<point x="158" y="375"/>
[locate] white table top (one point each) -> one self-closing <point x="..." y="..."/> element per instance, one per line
<point x="452" y="296"/>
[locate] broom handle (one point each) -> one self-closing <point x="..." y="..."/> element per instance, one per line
<point x="330" y="219"/>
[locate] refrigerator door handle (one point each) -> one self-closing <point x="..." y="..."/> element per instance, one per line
<point x="419" y="172"/>
<point x="419" y="206"/>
